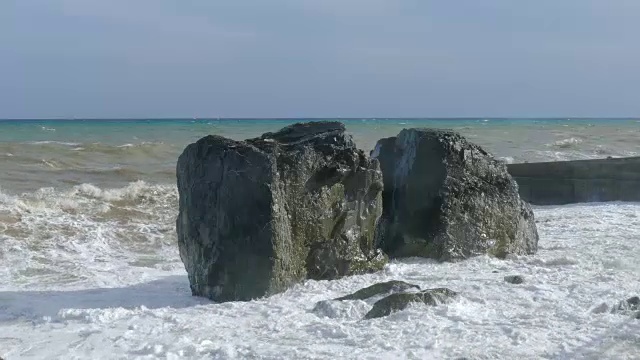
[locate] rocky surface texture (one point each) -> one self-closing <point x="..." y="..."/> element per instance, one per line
<point x="388" y="297"/>
<point x="259" y="215"/>
<point x="514" y="279"/>
<point x="400" y="301"/>
<point x="448" y="199"/>
<point x="629" y="307"/>
<point x="384" y="288"/>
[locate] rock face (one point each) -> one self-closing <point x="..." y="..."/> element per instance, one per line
<point x="393" y="286"/>
<point x="400" y="301"/>
<point x="514" y="279"/>
<point x="448" y="199"/>
<point x="259" y="215"/>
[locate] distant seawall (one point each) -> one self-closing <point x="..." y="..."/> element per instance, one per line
<point x="566" y="182"/>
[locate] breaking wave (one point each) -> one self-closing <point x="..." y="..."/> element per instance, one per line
<point x="95" y="147"/>
<point x="567" y="143"/>
<point x="44" y="233"/>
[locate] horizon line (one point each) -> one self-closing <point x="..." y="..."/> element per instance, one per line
<point x="327" y="118"/>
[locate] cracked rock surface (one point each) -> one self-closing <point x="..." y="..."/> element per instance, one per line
<point x="260" y="215"/>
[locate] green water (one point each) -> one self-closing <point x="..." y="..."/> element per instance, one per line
<point x="111" y="153"/>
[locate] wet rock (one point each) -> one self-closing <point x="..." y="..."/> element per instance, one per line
<point x="340" y="310"/>
<point x="514" y="279"/>
<point x="259" y="215"/>
<point x="600" y="309"/>
<point x="448" y="199"/>
<point x="393" y="286"/>
<point x="627" y="306"/>
<point x="400" y="301"/>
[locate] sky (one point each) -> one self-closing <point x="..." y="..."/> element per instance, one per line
<point x="319" y="58"/>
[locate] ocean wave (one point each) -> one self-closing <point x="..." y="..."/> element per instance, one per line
<point x="68" y="236"/>
<point x="567" y="143"/>
<point x="51" y="142"/>
<point x="90" y="157"/>
<point x="507" y="159"/>
<point x="98" y="146"/>
<point x="136" y="191"/>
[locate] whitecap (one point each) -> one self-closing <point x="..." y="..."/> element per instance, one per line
<point x="567" y="143"/>
<point x="53" y="142"/>
<point x="113" y="309"/>
<point x="507" y="159"/>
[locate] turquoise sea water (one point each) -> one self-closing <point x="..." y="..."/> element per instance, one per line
<point x="112" y="153"/>
<point x="116" y="130"/>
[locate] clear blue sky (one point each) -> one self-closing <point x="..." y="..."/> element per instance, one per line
<point x="342" y="58"/>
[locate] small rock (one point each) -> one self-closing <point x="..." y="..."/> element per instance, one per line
<point x="631" y="304"/>
<point x="393" y="286"/>
<point x="634" y="302"/>
<point x="400" y="301"/>
<point x="637" y="315"/>
<point x="514" y="279"/>
<point x="600" y="309"/>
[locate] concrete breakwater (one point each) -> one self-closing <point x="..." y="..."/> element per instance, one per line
<point x="566" y="182"/>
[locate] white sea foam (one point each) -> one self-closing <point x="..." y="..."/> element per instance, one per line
<point x="52" y="142"/>
<point x="507" y="159"/>
<point x="114" y="308"/>
<point x="567" y="143"/>
<point x="82" y="236"/>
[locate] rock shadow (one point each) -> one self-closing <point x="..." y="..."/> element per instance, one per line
<point x="168" y="292"/>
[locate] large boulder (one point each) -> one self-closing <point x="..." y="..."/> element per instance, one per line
<point x="448" y="199"/>
<point x="259" y="215"/>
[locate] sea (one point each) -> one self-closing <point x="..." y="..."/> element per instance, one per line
<point x="89" y="264"/>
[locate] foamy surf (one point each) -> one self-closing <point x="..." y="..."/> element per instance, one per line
<point x="118" y="309"/>
<point x="567" y="143"/>
<point x="75" y="237"/>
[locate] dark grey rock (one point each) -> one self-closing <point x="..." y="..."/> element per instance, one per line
<point x="448" y="199"/>
<point x="627" y="306"/>
<point x="514" y="279"/>
<point x="259" y="215"/>
<point x="400" y="301"/>
<point x="393" y="286"/>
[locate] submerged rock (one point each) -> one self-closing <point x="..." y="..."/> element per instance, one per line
<point x="514" y="279"/>
<point x="627" y="306"/>
<point x="335" y="308"/>
<point x="448" y="199"/>
<point x="259" y="215"/>
<point x="400" y="301"/>
<point x="393" y="286"/>
<point x="630" y="307"/>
